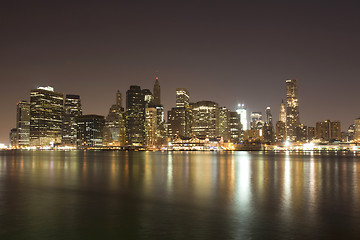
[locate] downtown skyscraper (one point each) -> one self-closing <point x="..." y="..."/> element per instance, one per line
<point x="72" y="110"/>
<point x="46" y="113"/>
<point x="135" y="116"/>
<point x="114" y="130"/>
<point x="292" y="109"/>
<point x="23" y="124"/>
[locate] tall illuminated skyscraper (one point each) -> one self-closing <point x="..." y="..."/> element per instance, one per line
<point x="135" y="116"/>
<point x="114" y="130"/>
<point x="292" y="109"/>
<point x="241" y="110"/>
<point x="72" y="110"/>
<point x="282" y="115"/>
<point x="23" y="123"/>
<point x="46" y="112"/>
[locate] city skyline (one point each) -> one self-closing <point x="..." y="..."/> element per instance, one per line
<point x="229" y="54"/>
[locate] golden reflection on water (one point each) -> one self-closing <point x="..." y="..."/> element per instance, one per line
<point x="243" y="186"/>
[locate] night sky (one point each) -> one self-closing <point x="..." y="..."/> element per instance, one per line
<point x="228" y="52"/>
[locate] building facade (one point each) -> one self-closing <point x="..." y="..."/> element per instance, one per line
<point x="46" y="113"/>
<point x="205" y="119"/>
<point x="72" y="110"/>
<point x="23" y="124"/>
<point x="292" y="109"/>
<point x="241" y="110"/>
<point x="135" y="116"/>
<point x="114" y="130"/>
<point x="90" y="131"/>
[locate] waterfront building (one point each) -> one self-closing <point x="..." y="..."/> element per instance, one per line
<point x="13" y="138"/>
<point x="292" y="109"/>
<point x="256" y="120"/>
<point x="114" y="130"/>
<point x="311" y="133"/>
<point x="280" y="131"/>
<point x="253" y="135"/>
<point x="90" y="130"/>
<point x="159" y="128"/>
<point x="46" y="113"/>
<point x="241" y="110"/>
<point x="179" y="123"/>
<point x="72" y="110"/>
<point x="182" y="97"/>
<point x="335" y="128"/>
<point x="23" y="123"/>
<point x="268" y="116"/>
<point x="179" y="117"/>
<point x="268" y="128"/>
<point x="235" y="127"/>
<point x="282" y="114"/>
<point x="135" y="116"/>
<point x="224" y="123"/>
<point x="350" y="133"/>
<point x="301" y="133"/>
<point x="150" y="126"/>
<point x="328" y="131"/>
<point x="357" y="130"/>
<point x="205" y="119"/>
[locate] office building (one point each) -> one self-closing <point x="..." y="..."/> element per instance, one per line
<point x="179" y="122"/>
<point x="135" y="116"/>
<point x="292" y="109"/>
<point x="351" y="133"/>
<point x="256" y="120"/>
<point x="182" y="97"/>
<point x="280" y="131"/>
<point x="114" y="130"/>
<point x="150" y="126"/>
<point x="241" y="110"/>
<point x="301" y="133"/>
<point x="13" y="138"/>
<point x="224" y="123"/>
<point x="46" y="113"/>
<point x="328" y="131"/>
<point x="23" y="124"/>
<point x="357" y="130"/>
<point x="282" y="114"/>
<point x="235" y="127"/>
<point x="311" y="133"/>
<point x="205" y="119"/>
<point x="90" y="130"/>
<point x="72" y="110"/>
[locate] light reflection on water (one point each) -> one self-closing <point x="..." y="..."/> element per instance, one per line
<point x="178" y="195"/>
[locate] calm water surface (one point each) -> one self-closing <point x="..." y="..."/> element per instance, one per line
<point x="180" y="195"/>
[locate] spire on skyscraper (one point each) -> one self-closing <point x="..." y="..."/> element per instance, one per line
<point x="156" y="92"/>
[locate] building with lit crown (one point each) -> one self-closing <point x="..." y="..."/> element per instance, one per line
<point x="241" y="110"/>
<point x="46" y="113"/>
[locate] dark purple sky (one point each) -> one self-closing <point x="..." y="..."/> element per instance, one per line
<point x="228" y="52"/>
